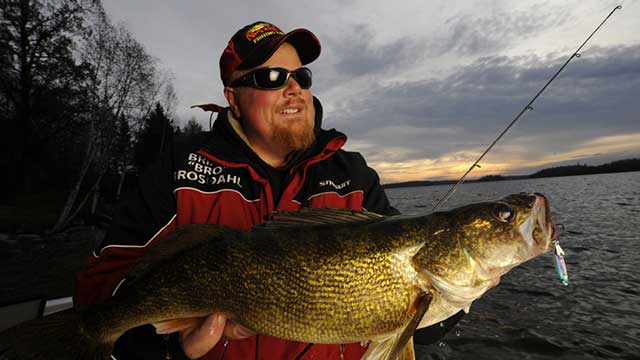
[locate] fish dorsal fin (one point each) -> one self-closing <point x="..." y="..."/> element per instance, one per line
<point x="320" y="217"/>
<point x="174" y="243"/>
<point x="400" y="345"/>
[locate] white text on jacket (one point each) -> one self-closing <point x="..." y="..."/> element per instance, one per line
<point x="331" y="183"/>
<point x="205" y="171"/>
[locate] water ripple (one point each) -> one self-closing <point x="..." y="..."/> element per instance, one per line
<point x="530" y="315"/>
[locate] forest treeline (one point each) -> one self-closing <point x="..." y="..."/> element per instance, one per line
<point x="584" y="169"/>
<point x="567" y="170"/>
<point x="82" y="103"/>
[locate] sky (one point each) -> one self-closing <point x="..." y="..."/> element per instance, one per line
<point x="421" y="88"/>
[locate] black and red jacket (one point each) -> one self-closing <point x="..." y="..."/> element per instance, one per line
<point x="215" y="178"/>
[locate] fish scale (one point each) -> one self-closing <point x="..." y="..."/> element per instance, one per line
<point x="354" y="277"/>
<point x="363" y="278"/>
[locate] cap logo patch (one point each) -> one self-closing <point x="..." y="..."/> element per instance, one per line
<point x="261" y="31"/>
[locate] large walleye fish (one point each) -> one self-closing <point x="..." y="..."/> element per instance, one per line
<point x="316" y="275"/>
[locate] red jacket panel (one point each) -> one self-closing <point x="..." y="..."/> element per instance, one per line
<point x="216" y="179"/>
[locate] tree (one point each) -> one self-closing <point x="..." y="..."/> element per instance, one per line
<point x="192" y="127"/>
<point x="35" y="59"/>
<point x="122" y="161"/>
<point x="124" y="83"/>
<point x="73" y="88"/>
<point x="153" y="138"/>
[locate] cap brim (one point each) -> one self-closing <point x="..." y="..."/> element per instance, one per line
<point x="306" y="43"/>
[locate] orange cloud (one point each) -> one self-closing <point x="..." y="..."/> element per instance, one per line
<point x="612" y="144"/>
<point x="503" y="161"/>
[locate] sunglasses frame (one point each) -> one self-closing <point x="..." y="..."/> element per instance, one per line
<point x="249" y="79"/>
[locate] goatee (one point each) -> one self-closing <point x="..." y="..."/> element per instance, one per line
<point x="295" y="138"/>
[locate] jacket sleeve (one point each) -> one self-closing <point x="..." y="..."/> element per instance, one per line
<point x="375" y="199"/>
<point x="146" y="214"/>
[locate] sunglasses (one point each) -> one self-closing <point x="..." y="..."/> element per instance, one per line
<point x="273" y="78"/>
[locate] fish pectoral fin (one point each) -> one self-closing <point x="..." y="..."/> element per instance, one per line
<point x="174" y="325"/>
<point x="408" y="353"/>
<point x="400" y="345"/>
<point x="379" y="350"/>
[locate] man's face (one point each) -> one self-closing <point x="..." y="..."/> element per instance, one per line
<point x="279" y="119"/>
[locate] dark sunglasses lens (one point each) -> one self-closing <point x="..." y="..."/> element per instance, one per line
<point x="303" y="77"/>
<point x="275" y="78"/>
<point x="270" y="78"/>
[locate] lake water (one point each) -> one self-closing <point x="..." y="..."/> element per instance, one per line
<point x="531" y="315"/>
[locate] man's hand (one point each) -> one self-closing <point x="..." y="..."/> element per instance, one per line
<point x="198" y="339"/>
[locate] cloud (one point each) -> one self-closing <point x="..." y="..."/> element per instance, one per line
<point x="364" y="49"/>
<point x="517" y="158"/>
<point x="609" y="144"/>
<point x="468" y="33"/>
<point x="425" y="87"/>
<point x="399" y="123"/>
<point x="484" y="95"/>
<point x="448" y="166"/>
<point x="358" y="55"/>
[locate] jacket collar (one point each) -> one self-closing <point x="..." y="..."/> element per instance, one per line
<point x="227" y="144"/>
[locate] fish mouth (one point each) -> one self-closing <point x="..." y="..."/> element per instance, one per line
<point x="544" y="220"/>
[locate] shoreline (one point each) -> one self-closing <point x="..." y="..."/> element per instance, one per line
<point x="37" y="265"/>
<point x="489" y="178"/>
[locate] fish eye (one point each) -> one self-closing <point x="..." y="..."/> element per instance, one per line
<point x="504" y="213"/>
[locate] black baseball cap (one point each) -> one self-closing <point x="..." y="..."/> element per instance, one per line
<point x="255" y="43"/>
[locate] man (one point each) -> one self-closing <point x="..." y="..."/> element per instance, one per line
<point x="266" y="153"/>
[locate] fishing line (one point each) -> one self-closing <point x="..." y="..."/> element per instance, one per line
<point x="527" y="107"/>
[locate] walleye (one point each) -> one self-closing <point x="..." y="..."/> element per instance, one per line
<point x="315" y="275"/>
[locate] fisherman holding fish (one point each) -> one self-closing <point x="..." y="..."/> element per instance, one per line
<point x="266" y="152"/>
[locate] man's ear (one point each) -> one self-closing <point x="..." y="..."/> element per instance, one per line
<point x="230" y="94"/>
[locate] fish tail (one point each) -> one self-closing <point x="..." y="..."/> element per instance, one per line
<point x="57" y="336"/>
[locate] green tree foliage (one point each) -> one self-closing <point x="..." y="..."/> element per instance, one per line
<point x="74" y="89"/>
<point x="153" y="138"/>
<point x="41" y="84"/>
<point x="584" y="169"/>
<point x="124" y="82"/>
<point x="123" y="156"/>
<point x="192" y="127"/>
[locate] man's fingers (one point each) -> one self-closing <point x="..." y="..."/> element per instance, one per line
<point x="235" y="331"/>
<point x="213" y="325"/>
<point x="174" y="325"/>
<point x="198" y="340"/>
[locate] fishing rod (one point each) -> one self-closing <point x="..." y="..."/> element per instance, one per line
<point x="527" y="107"/>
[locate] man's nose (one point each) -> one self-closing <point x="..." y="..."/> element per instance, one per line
<point x="292" y="87"/>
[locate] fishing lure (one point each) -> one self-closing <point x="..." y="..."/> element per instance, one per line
<point x="561" y="267"/>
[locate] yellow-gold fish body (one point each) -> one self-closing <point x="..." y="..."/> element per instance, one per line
<point x="316" y="275"/>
